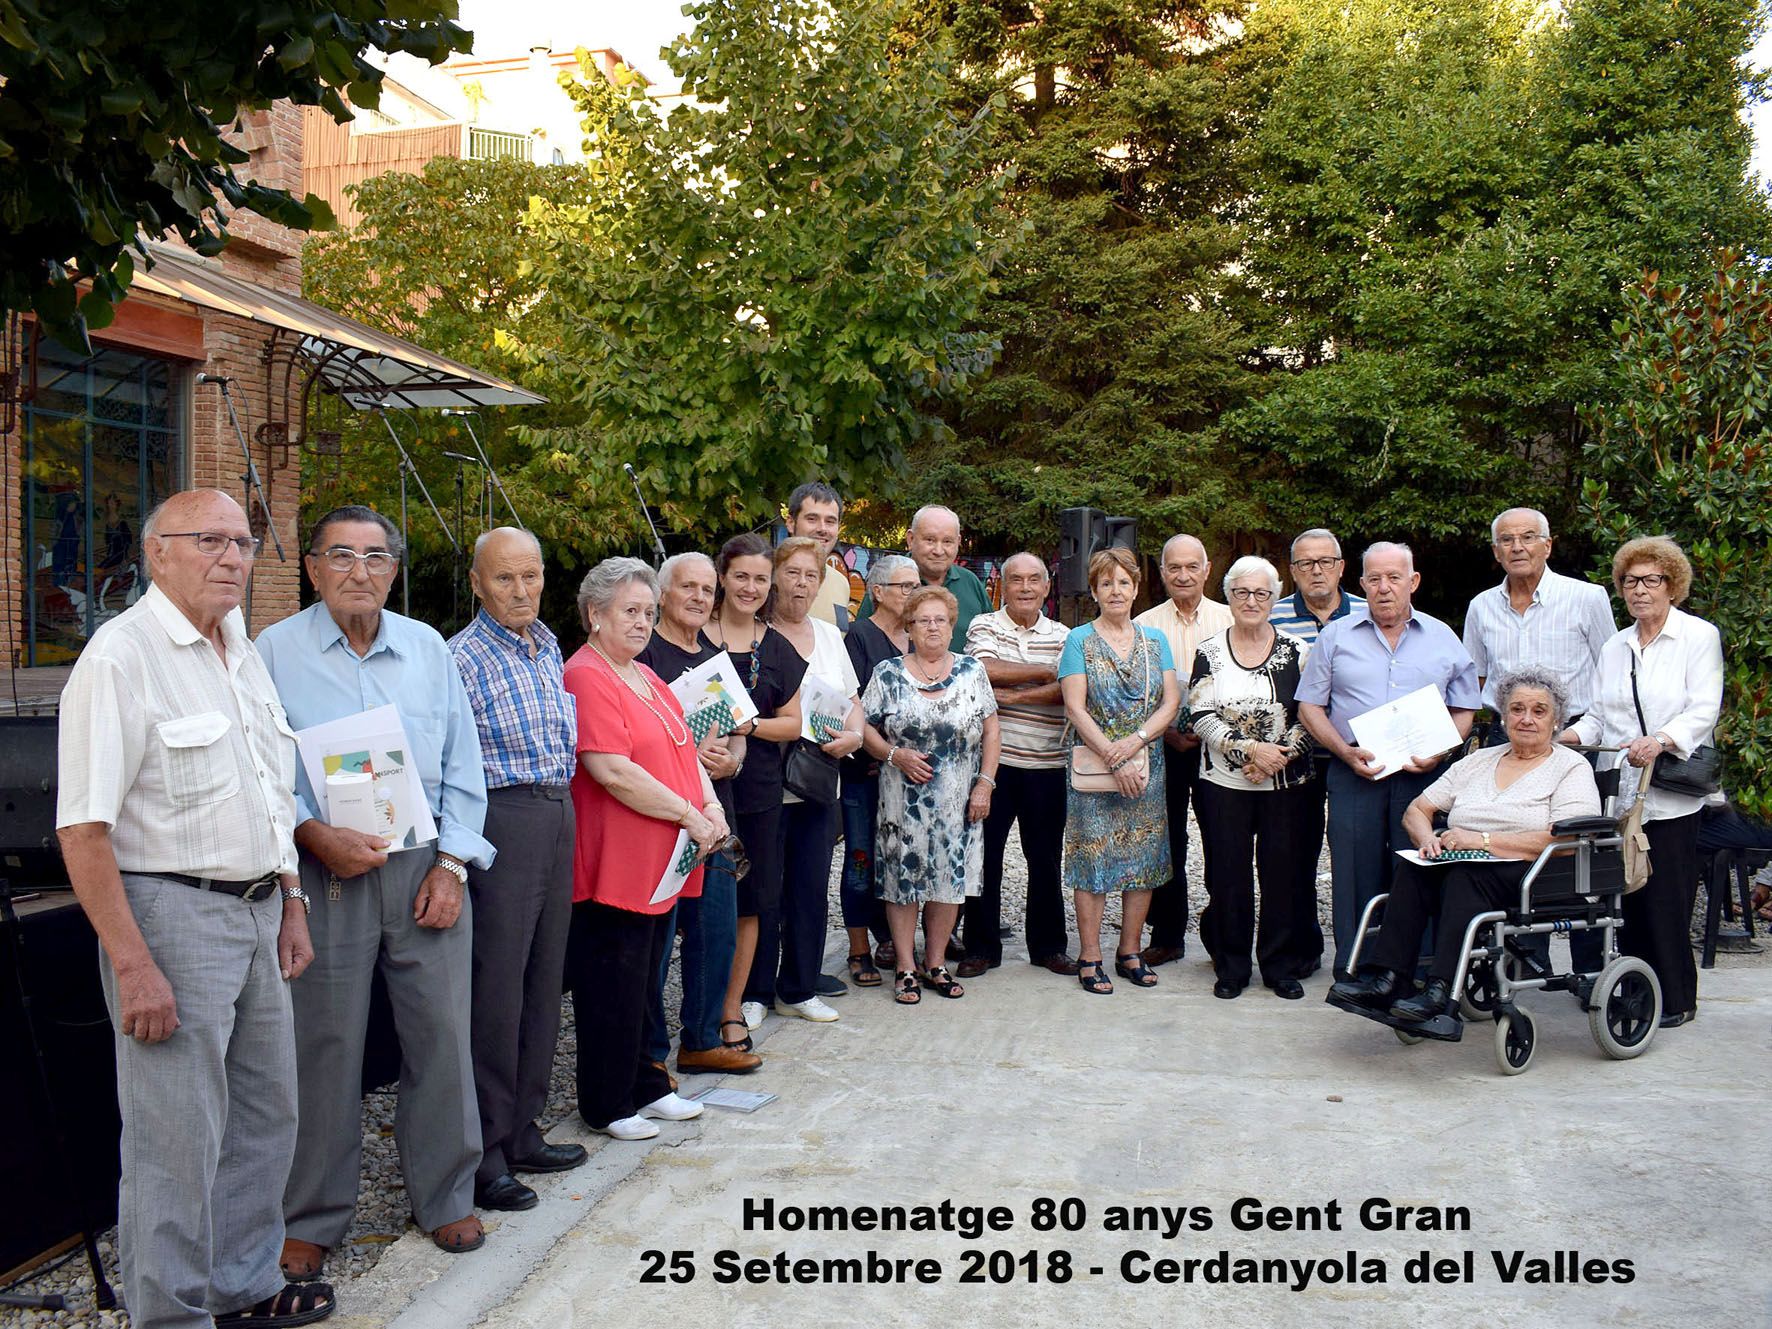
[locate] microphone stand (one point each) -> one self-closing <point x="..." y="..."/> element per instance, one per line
<point x="658" y="548"/>
<point x="249" y="480"/>
<point x="406" y="468"/>
<point x="466" y="417"/>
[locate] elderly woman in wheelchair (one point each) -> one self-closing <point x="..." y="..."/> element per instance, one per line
<point x="1501" y="806"/>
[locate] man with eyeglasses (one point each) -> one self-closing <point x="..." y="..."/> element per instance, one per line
<point x="510" y="664"/>
<point x="1359" y="664"/>
<point x="1019" y="647"/>
<point x="1317" y="600"/>
<point x="404" y="912"/>
<point x="1536" y="616"/>
<point x="175" y="811"/>
<point x="1186" y="618"/>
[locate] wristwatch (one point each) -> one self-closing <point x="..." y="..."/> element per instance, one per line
<point x="453" y="866"/>
<point x="297" y="893"/>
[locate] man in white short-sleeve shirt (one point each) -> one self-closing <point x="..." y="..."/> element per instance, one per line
<point x="176" y="814"/>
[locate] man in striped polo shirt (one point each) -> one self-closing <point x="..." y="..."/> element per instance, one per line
<point x="1019" y="648"/>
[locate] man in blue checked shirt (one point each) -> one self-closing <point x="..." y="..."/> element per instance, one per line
<point x="510" y="664"/>
<point x="403" y="912"/>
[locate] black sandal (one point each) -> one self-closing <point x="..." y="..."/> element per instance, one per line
<point x="940" y="980"/>
<point x="863" y="972"/>
<point x="297" y="1303"/>
<point x="1098" y="983"/>
<point x="906" y="990"/>
<point x="743" y="1044"/>
<point x="1136" y="972"/>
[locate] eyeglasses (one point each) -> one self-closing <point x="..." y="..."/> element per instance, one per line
<point x="1654" y="581"/>
<point x="1314" y="564"/>
<point x="1259" y="595"/>
<point x="943" y="622"/>
<point x="1519" y="541"/>
<point x="733" y="847"/>
<point x="212" y="544"/>
<point x="377" y="563"/>
<point x="902" y="585"/>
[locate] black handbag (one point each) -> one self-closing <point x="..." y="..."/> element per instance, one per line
<point x="811" y="774"/>
<point x="1697" y="776"/>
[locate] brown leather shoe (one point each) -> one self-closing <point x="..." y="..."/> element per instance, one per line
<point x="660" y="1066"/>
<point x="1058" y="963"/>
<point x="301" y="1260"/>
<point x="465" y="1234"/>
<point x="1156" y="955"/>
<point x="972" y="966"/>
<point x="717" y="1061"/>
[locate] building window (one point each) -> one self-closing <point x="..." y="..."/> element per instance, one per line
<point x="102" y="446"/>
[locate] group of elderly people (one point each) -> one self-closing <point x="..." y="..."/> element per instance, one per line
<point x="584" y="822"/>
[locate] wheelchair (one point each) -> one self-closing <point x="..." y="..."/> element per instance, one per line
<point x="1575" y="885"/>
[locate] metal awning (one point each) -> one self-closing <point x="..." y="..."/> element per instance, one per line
<point x="366" y="368"/>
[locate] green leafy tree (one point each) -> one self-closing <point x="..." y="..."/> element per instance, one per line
<point x="1449" y="198"/>
<point x="1119" y="348"/>
<point x="112" y="118"/>
<point x="1683" y="447"/>
<point x="777" y="279"/>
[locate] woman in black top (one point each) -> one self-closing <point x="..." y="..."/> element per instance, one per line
<point x="873" y="640"/>
<point x="771" y="670"/>
<point x="709" y="924"/>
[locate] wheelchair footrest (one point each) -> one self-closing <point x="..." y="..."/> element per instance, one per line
<point x="1443" y="1028"/>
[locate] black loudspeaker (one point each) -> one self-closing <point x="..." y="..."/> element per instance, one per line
<point x="1080" y="533"/>
<point x="1120" y="533"/>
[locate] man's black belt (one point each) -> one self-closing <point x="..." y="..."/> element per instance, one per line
<point x="259" y="888"/>
<point x="558" y="792"/>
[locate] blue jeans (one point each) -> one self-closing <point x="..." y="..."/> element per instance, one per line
<point x="861" y="806"/>
<point x="710" y="934"/>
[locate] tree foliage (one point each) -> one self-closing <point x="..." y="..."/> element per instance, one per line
<point x="1119" y="352"/>
<point x="1683" y="447"/>
<point x="775" y="280"/>
<point x="112" y="118"/>
<point x="1450" y="196"/>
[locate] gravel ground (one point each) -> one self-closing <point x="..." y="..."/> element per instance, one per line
<point x="382" y="1210"/>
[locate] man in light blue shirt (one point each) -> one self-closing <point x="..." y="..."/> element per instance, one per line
<point x="406" y="912"/>
<point x="1361" y="663"/>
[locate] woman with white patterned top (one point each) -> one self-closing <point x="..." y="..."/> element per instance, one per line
<point x="1254" y="792"/>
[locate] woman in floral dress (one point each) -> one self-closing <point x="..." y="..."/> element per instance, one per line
<point x="932" y="723"/>
<point x="1118" y="681"/>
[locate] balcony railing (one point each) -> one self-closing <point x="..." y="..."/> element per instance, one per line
<point x="495" y="145"/>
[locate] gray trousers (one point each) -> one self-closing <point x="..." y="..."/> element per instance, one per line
<point x="436" y="1125"/>
<point x="522" y="915"/>
<point x="209" y="1114"/>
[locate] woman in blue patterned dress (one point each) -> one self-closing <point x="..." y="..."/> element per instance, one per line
<point x="932" y="722"/>
<point x="1120" y="694"/>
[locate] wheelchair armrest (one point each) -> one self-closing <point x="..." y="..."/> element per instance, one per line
<point x="1572" y="826"/>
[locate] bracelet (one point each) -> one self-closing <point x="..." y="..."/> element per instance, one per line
<point x="991" y="780"/>
<point x="890" y="755"/>
<point x="1486" y="833"/>
<point x="688" y="807"/>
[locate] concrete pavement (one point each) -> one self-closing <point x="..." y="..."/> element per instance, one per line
<point x="1029" y="1090"/>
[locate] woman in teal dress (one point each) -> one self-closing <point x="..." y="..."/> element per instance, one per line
<point x="1120" y="694"/>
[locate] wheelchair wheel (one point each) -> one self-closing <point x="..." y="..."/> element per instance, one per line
<point x="1626" y="1008"/>
<point x="1476" y="1002"/>
<point x="1516" y="1039"/>
<point x="1406" y="1038"/>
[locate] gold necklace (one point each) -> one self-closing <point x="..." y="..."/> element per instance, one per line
<point x="917" y="678"/>
<point x="646" y="698"/>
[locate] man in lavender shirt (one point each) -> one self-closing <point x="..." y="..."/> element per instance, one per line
<point x="1360" y="664"/>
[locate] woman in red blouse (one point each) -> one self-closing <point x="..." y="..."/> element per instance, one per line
<point x="638" y="790"/>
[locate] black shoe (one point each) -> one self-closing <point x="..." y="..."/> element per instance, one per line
<point x="551" y="1158"/>
<point x="1226" y="989"/>
<point x="1288" y="988"/>
<point x="1375" y="990"/>
<point x="1430" y="1003"/>
<point x="1675" y="1021"/>
<point x="827" y="985"/>
<point x="504" y="1192"/>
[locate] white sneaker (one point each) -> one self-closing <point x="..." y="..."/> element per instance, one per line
<point x="672" y="1108"/>
<point x="635" y="1127"/>
<point x="810" y="1009"/>
<point x="753" y="1012"/>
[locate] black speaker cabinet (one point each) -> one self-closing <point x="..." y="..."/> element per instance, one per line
<point x="1080" y="534"/>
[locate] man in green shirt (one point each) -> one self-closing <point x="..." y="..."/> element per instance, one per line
<point x="934" y="542"/>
